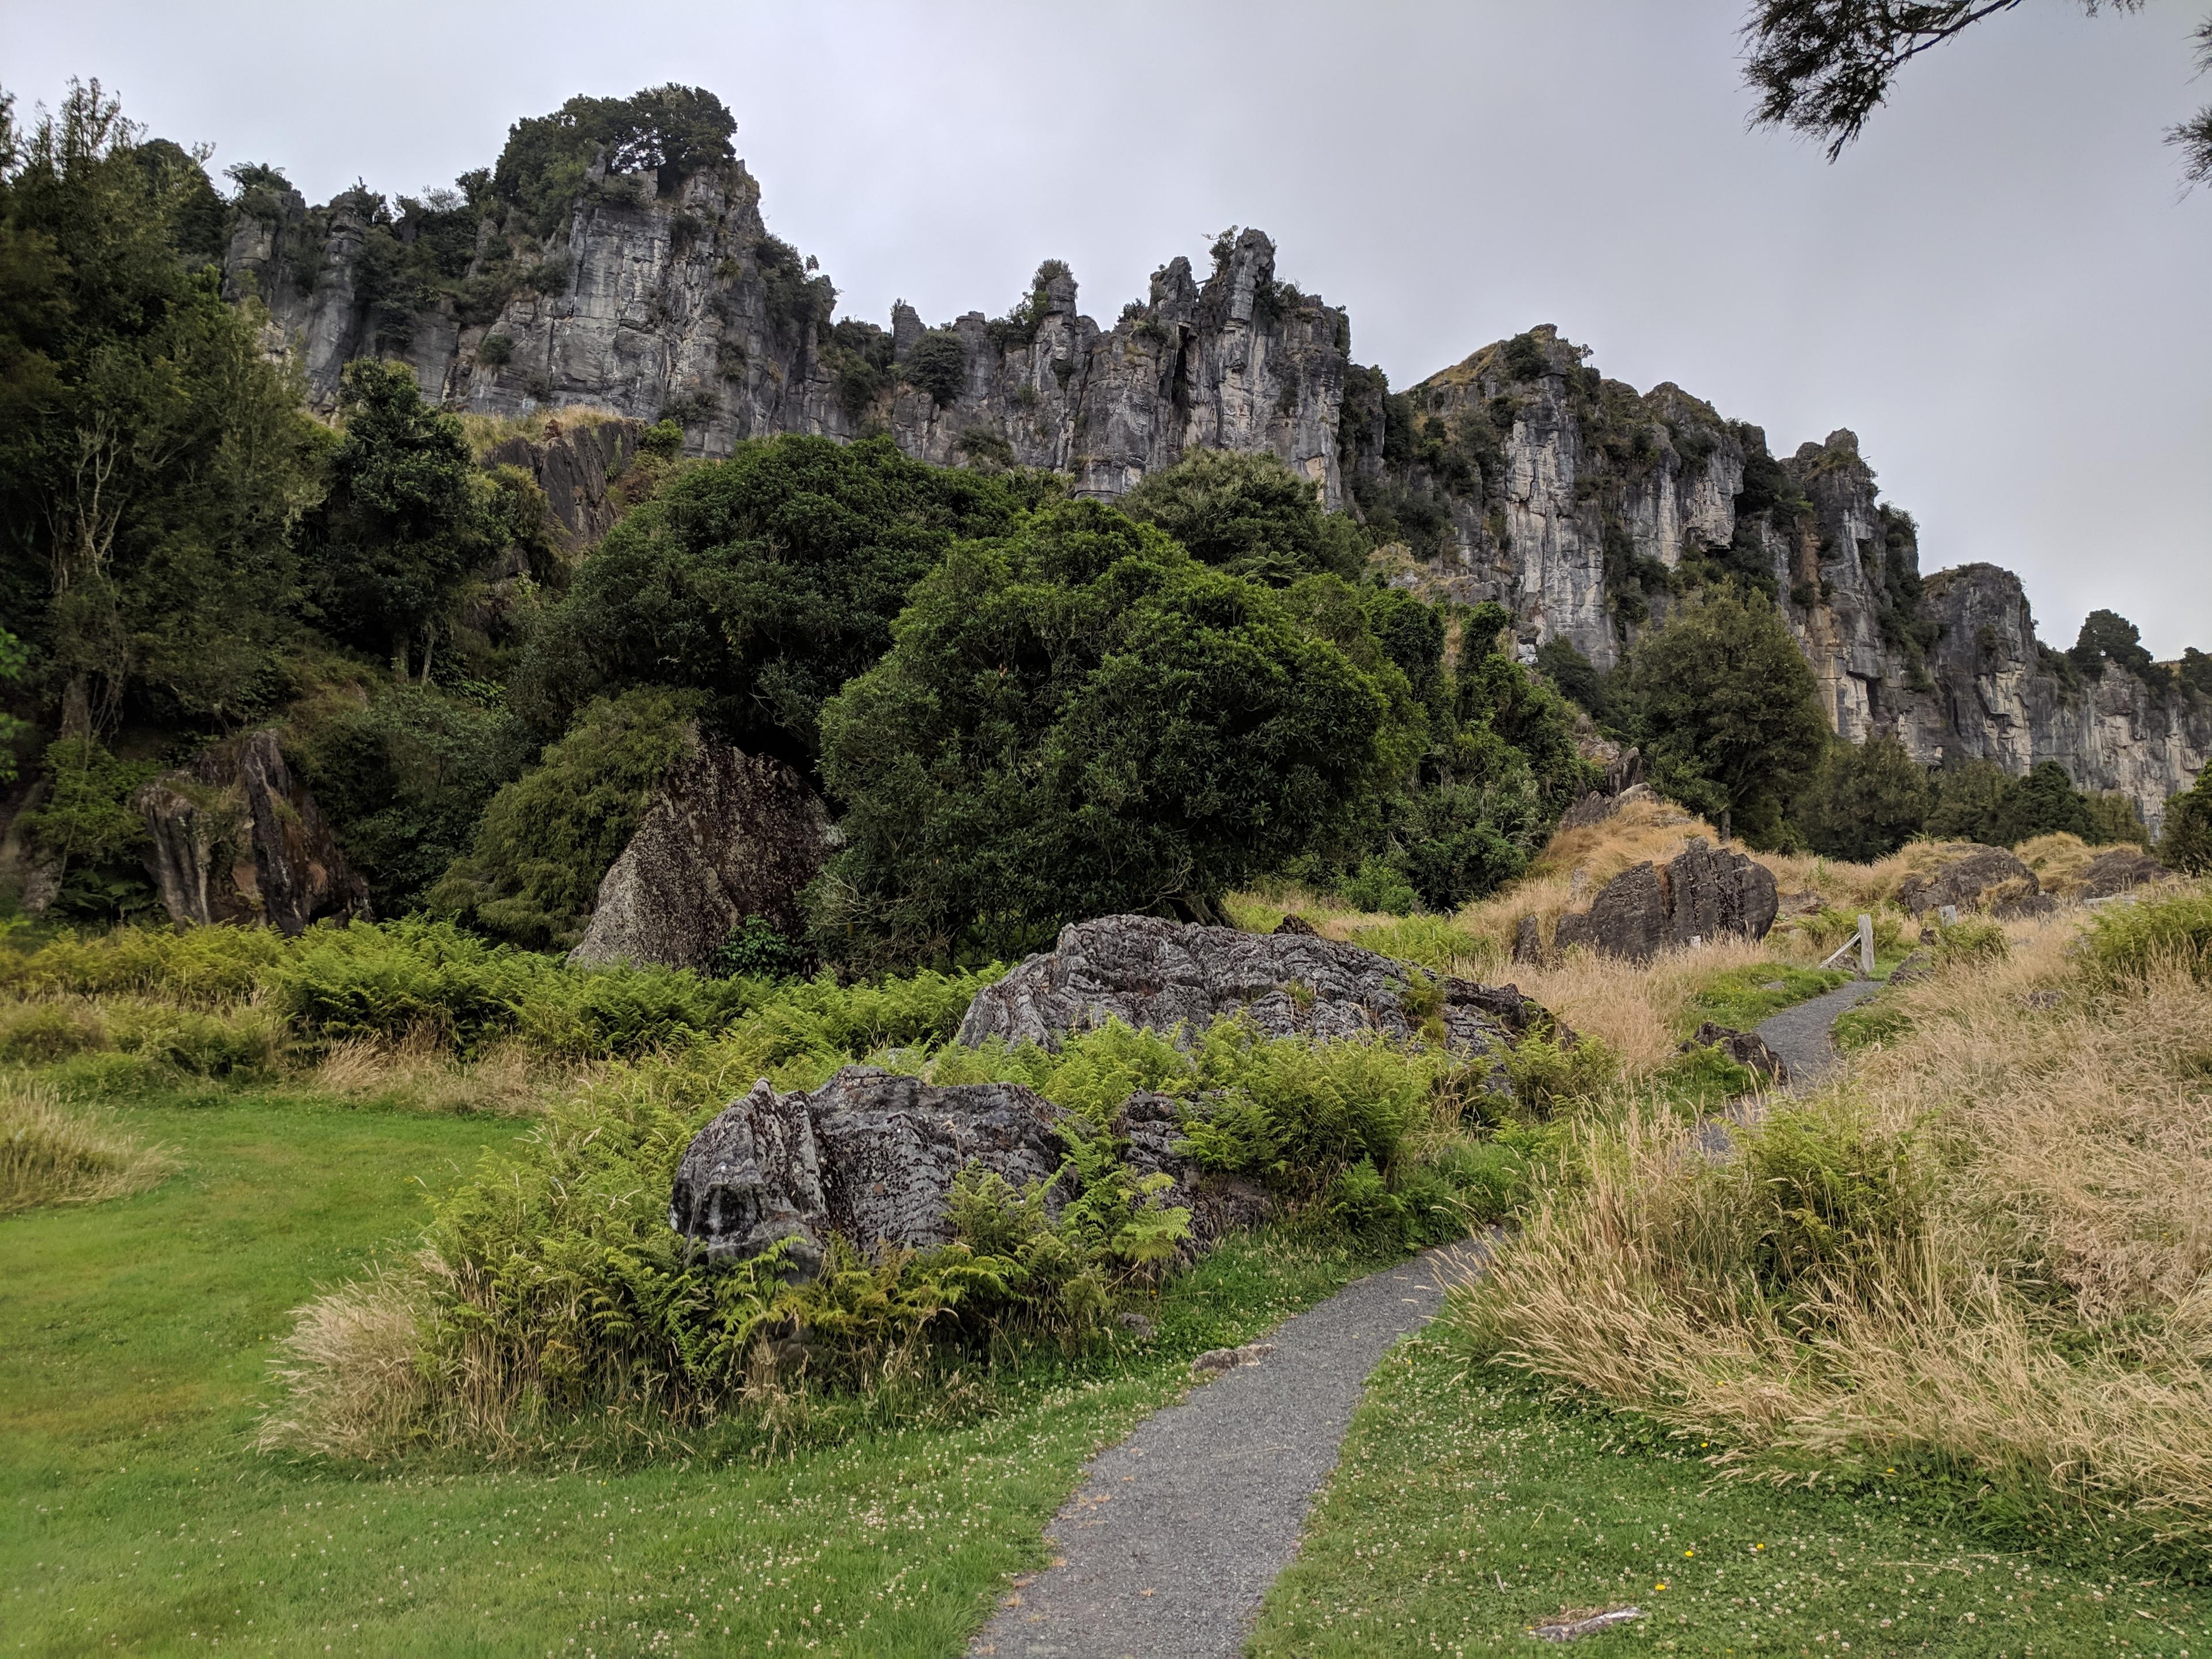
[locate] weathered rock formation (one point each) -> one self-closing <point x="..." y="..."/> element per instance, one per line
<point x="2119" y="871"/>
<point x="870" y="1156"/>
<point x="728" y="836"/>
<point x="236" y="837"/>
<point x="1160" y="975"/>
<point x="1700" y="895"/>
<point x="1982" y="875"/>
<point x="575" y="464"/>
<point x="1519" y="475"/>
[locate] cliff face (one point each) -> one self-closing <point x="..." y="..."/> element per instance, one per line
<point x="684" y="306"/>
<point x="1519" y="475"/>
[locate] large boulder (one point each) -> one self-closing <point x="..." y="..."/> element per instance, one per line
<point x="236" y="837"/>
<point x="2120" y="870"/>
<point x="1979" y="876"/>
<point x="1704" y="892"/>
<point x="870" y="1155"/>
<point x="1157" y="974"/>
<point x="728" y="836"/>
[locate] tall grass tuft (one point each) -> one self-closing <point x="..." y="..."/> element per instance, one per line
<point x="1991" y="1244"/>
<point x="50" y="1154"/>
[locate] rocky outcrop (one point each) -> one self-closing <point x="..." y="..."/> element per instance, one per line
<point x="1160" y="975"/>
<point x="1702" y="894"/>
<point x="728" y="836"/>
<point x="1519" y="475"/>
<point x="236" y="837"/>
<point x="576" y="464"/>
<point x="869" y="1156"/>
<point x="1982" y="875"/>
<point x="2121" y="870"/>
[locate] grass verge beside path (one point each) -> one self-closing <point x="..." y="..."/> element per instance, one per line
<point x="134" y="1338"/>
<point x="1468" y="1507"/>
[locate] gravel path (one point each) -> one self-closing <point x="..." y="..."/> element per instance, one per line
<point x="1174" y="1535"/>
<point x="1800" y="1035"/>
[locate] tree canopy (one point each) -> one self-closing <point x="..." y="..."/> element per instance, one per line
<point x="671" y="131"/>
<point x="1865" y="801"/>
<point x="764" y="581"/>
<point x="1727" y="712"/>
<point x="1077" y="719"/>
<point x="1250" y="515"/>
<point x="1823" y="67"/>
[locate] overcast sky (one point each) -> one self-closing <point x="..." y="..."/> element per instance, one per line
<point x="2002" y="288"/>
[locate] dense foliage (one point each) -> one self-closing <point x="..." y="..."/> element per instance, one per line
<point x="671" y="131"/>
<point x="546" y="839"/>
<point x="1727" y="712"/>
<point x="1866" y="801"/>
<point x="1250" y="515"/>
<point x="153" y="462"/>
<point x="763" y="582"/>
<point x="1078" y="719"/>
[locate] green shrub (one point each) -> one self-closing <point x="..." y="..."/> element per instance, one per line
<point x="401" y="978"/>
<point x="497" y="351"/>
<point x="1548" y="1073"/>
<point x="40" y="1033"/>
<point x="2128" y="942"/>
<point x="623" y="1011"/>
<point x="547" y="839"/>
<point x="938" y="365"/>
<point x="1826" y="1186"/>
<point x="1971" y="939"/>
<point x="755" y="949"/>
<point x="1705" y="1076"/>
<point x="243" y="1043"/>
<point x="1377" y="885"/>
<point x="200" y="966"/>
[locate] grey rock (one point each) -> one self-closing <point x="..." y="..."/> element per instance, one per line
<point x="870" y="1156"/>
<point x="236" y="837"/>
<point x="728" y="836"/>
<point x="1156" y="975"/>
<point x="1214" y="1361"/>
<point x="2120" y="870"/>
<point x="1745" y="1048"/>
<point x="1988" y="873"/>
<point x="1704" y="892"/>
<point x="1528" y="943"/>
<point x="1917" y="966"/>
<point x="2025" y="905"/>
<point x="576" y="464"/>
<point x="1218" y="1204"/>
<point x="1295" y="923"/>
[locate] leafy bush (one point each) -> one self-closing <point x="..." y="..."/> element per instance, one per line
<point x="2186" y="842"/>
<point x="1248" y="514"/>
<point x="1969" y="941"/>
<point x="938" y="365"/>
<point x="198" y="966"/>
<point x="755" y="950"/>
<point x="402" y="978"/>
<point x="1379" y="885"/>
<point x="1548" y="1073"/>
<point x="1827" y="1187"/>
<point x="40" y="1033"/>
<point x="1866" y="801"/>
<point x="547" y="839"/>
<point x="244" y="1043"/>
<point x="761" y="583"/>
<point x="2130" y="942"/>
<point x="1080" y="719"/>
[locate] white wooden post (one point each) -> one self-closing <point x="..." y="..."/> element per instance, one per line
<point x="1866" y="946"/>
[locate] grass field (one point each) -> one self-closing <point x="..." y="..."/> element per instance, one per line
<point x="134" y="1338"/>
<point x="1468" y="1508"/>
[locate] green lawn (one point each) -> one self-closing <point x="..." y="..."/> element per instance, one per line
<point x="1468" y="1507"/>
<point x="134" y="1338"/>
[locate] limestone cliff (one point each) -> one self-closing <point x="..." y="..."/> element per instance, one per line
<point x="1521" y="475"/>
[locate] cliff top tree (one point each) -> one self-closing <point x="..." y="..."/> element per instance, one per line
<point x="1729" y="713"/>
<point x="671" y="132"/>
<point x="1823" y="67"/>
<point x="1076" y="719"/>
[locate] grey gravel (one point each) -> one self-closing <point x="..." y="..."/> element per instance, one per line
<point x="1800" y="1035"/>
<point x="1175" y="1534"/>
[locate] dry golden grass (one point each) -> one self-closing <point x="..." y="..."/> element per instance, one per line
<point x="51" y="1154"/>
<point x="486" y="432"/>
<point x="2059" y="860"/>
<point x="2033" y="1294"/>
<point x="421" y="1073"/>
<point x="1632" y="1008"/>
